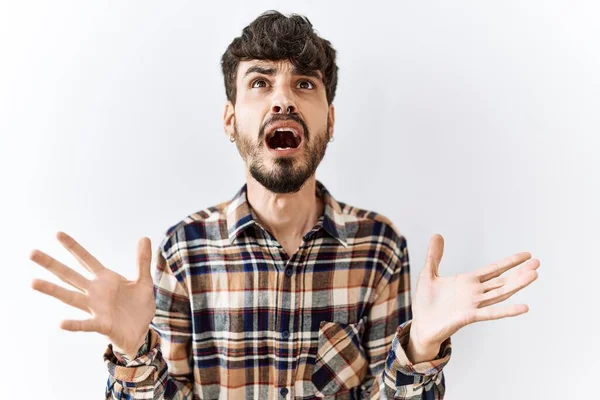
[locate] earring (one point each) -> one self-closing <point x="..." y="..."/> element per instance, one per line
<point x="232" y="138"/>
<point x="331" y="139"/>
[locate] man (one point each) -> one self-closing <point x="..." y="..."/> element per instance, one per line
<point x="282" y="292"/>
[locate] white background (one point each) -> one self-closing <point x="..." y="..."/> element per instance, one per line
<point x="476" y="120"/>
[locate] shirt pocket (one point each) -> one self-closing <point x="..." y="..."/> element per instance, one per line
<point x="341" y="362"/>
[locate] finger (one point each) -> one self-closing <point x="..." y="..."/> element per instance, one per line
<point x="81" y="254"/>
<point x="70" y="297"/>
<point x="59" y="269"/>
<point x="434" y="254"/>
<point x="504" y="292"/>
<point x="492" y="313"/>
<point x="493" y="284"/>
<point x="87" y="325"/>
<point x="493" y="270"/>
<point x="500" y="281"/>
<point x="144" y="259"/>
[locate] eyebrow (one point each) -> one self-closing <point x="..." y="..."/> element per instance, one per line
<point x="272" y="71"/>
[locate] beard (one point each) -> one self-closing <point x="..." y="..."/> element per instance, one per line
<point x="288" y="174"/>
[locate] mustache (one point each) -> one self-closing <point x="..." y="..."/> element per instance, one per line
<point x="282" y="117"/>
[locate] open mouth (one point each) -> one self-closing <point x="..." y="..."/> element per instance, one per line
<point x="283" y="139"/>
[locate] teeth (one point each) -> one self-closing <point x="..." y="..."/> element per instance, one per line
<point x="287" y="129"/>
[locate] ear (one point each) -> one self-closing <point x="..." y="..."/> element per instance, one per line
<point x="331" y="119"/>
<point x="229" y="119"/>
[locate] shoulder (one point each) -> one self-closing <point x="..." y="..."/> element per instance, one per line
<point x="363" y="224"/>
<point x="208" y="225"/>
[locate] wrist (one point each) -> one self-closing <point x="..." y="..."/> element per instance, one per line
<point x="417" y="351"/>
<point x="141" y="348"/>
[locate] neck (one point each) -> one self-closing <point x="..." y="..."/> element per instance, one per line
<point x="288" y="216"/>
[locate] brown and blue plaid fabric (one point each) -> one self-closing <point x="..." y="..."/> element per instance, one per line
<point x="237" y="318"/>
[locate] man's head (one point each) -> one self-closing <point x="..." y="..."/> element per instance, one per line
<point x="280" y="81"/>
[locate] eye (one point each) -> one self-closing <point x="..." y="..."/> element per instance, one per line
<point x="310" y="85"/>
<point x="258" y="81"/>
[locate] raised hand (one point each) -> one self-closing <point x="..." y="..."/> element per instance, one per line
<point x="122" y="310"/>
<point x="443" y="305"/>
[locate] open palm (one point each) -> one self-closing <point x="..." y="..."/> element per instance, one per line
<point x="443" y="305"/>
<point x="121" y="309"/>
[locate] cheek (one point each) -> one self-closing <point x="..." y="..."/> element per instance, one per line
<point x="249" y="116"/>
<point x="315" y="113"/>
<point x="318" y="123"/>
<point x="247" y="124"/>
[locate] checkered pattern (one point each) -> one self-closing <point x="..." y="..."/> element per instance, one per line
<point x="237" y="318"/>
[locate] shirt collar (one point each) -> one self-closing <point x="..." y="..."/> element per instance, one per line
<point x="240" y="215"/>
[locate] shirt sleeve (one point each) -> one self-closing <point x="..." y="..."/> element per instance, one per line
<point x="390" y="373"/>
<point x="166" y="371"/>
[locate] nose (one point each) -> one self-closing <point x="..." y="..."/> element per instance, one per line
<point x="277" y="109"/>
<point x="283" y="103"/>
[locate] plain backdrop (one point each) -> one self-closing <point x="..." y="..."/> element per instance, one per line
<point x="476" y="120"/>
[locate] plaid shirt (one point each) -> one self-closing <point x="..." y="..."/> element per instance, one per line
<point x="236" y="317"/>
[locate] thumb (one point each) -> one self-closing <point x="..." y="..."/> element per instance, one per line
<point x="144" y="259"/>
<point x="434" y="255"/>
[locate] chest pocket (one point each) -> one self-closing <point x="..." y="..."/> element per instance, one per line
<point x="341" y="362"/>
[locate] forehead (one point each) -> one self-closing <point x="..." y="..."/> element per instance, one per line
<point x="269" y="67"/>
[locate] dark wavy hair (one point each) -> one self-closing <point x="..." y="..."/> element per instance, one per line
<point x="274" y="36"/>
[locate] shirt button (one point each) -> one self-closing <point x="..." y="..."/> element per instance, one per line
<point x="283" y="391"/>
<point x="285" y="334"/>
<point x="288" y="272"/>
